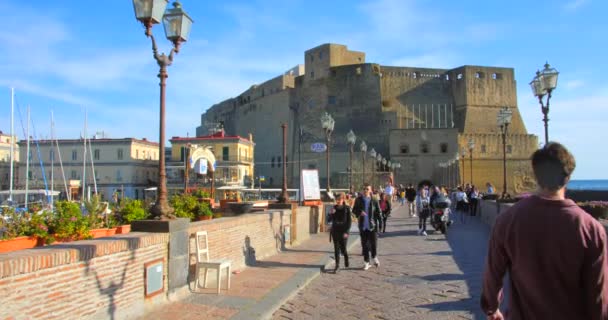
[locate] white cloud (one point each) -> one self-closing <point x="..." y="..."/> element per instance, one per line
<point x="574" y="84"/>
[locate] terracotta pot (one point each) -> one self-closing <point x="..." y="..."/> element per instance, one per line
<point x="126" y="228"/>
<point x="19" y="243"/>
<point x="201" y="218"/>
<point x="99" y="233"/>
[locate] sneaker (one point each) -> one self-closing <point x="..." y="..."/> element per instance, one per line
<point x="424" y="233"/>
<point x="419" y="231"/>
<point x="414" y="215"/>
<point x="376" y="262"/>
<point x="336" y="269"/>
<point x="366" y="266"/>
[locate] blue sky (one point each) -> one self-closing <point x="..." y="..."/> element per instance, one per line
<point x="66" y="56"/>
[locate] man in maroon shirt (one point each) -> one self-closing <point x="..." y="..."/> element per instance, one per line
<point x="555" y="252"/>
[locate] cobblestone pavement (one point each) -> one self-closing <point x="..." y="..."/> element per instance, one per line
<point x="433" y="277"/>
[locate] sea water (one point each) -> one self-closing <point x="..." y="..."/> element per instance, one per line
<point x="588" y="185"/>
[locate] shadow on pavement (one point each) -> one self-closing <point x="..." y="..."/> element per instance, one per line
<point x="275" y="264"/>
<point x="444" y="277"/>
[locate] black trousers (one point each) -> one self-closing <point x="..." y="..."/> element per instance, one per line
<point x="369" y="241"/>
<point x="473" y="206"/>
<point x="340" y="246"/>
<point x="382" y="227"/>
<point x="422" y="222"/>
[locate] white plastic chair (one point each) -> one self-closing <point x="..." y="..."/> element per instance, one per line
<point x="205" y="263"/>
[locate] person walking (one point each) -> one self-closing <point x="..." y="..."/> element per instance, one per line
<point x="389" y="190"/>
<point x="423" y="203"/>
<point x="385" y="209"/>
<point x="410" y="195"/>
<point x="461" y="204"/>
<point x="555" y="253"/>
<point x="367" y="212"/>
<point x="340" y="228"/>
<point x="474" y="200"/>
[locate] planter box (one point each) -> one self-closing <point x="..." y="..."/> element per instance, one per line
<point x="126" y="228"/>
<point x="104" y="232"/>
<point x="240" y="207"/>
<point x="19" y="243"/>
<point x="203" y="218"/>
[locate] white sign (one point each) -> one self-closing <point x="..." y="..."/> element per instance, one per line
<point x="201" y="166"/>
<point x="310" y="185"/>
<point x="318" y="147"/>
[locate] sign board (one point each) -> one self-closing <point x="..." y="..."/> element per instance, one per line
<point x="318" y="147"/>
<point x="200" y="166"/>
<point x="310" y="184"/>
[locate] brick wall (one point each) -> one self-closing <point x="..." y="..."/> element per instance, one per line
<point x="92" y="279"/>
<point x="237" y="238"/>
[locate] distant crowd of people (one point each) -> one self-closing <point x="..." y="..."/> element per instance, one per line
<point x="555" y="253"/>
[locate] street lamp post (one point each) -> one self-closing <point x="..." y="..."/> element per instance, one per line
<point x="177" y="25"/>
<point x="363" y="148"/>
<point x="464" y="154"/>
<point x="373" y="154"/>
<point x="378" y="167"/>
<point x="503" y="120"/>
<point x="542" y="85"/>
<point x="284" y="197"/>
<point x="351" y="138"/>
<point x="471" y="147"/>
<point x="327" y="123"/>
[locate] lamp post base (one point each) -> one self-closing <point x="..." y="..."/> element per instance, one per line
<point x="162" y="212"/>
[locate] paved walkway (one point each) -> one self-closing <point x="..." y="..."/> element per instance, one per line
<point x="430" y="277"/>
<point x="419" y="278"/>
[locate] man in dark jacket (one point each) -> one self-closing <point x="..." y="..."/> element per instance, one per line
<point x="367" y="211"/>
<point x="410" y="195"/>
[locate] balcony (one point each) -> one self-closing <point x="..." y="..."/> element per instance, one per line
<point x="234" y="159"/>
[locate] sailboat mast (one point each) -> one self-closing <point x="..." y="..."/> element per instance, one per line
<point x="52" y="164"/>
<point x="12" y="174"/>
<point x="92" y="167"/>
<point x="84" y="159"/>
<point x="27" y="159"/>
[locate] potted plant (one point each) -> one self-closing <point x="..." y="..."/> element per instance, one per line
<point x="185" y="205"/>
<point x="15" y="231"/>
<point x="203" y="196"/>
<point x="203" y="212"/>
<point x="598" y="209"/>
<point x="129" y="211"/>
<point x="69" y="223"/>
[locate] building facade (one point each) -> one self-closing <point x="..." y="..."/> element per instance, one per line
<point x="5" y="160"/>
<point x="377" y="102"/>
<point x="233" y="155"/>
<point x="124" y="166"/>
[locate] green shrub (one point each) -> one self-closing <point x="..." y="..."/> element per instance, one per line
<point x="200" y="193"/>
<point x="203" y="210"/>
<point x="185" y="205"/>
<point x="68" y="222"/>
<point x="14" y="224"/>
<point x="131" y="210"/>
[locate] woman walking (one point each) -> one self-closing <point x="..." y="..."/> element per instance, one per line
<point x="423" y="203"/>
<point x="461" y="204"/>
<point x="385" y="209"/>
<point x="340" y="228"/>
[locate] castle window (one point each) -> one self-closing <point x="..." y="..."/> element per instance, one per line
<point x="359" y="59"/>
<point x="459" y="76"/>
<point x="424" y="148"/>
<point x="509" y="148"/>
<point x="312" y="58"/>
<point x="443" y="148"/>
<point x="312" y="74"/>
<point x="479" y="75"/>
<point x="272" y="163"/>
<point x="404" y="148"/>
<point x="331" y="100"/>
<point x="359" y="70"/>
<point x="279" y="161"/>
<point x="321" y="55"/>
<point x="483" y="148"/>
<point x="333" y="73"/>
<point x="447" y="77"/>
<point x="496" y="76"/>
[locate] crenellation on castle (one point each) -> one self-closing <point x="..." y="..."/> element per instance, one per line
<point x="377" y="102"/>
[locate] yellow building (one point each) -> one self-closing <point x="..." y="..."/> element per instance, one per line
<point x="124" y="165"/>
<point x="5" y="160"/>
<point x="233" y="154"/>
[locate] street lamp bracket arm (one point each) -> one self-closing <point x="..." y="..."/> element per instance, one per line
<point x="162" y="59"/>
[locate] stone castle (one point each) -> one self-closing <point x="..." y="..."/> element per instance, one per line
<point x="418" y="117"/>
